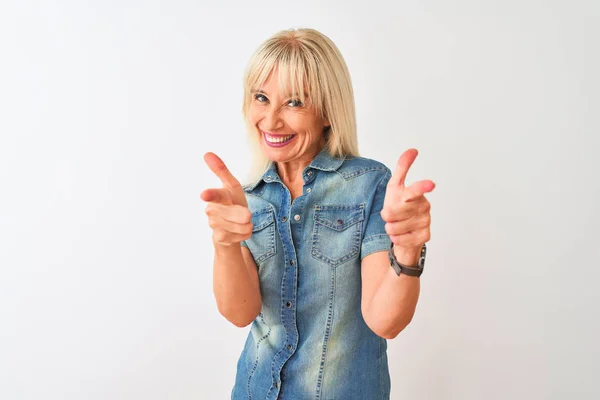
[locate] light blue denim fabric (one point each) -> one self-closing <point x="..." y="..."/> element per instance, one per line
<point x="310" y="340"/>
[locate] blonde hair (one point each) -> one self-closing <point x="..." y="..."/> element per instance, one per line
<point x="305" y="59"/>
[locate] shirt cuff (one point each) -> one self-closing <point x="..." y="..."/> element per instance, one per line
<point x="374" y="244"/>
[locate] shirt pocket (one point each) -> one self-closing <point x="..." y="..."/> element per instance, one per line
<point x="337" y="232"/>
<point x="262" y="241"/>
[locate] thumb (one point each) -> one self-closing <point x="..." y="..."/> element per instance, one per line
<point x="229" y="182"/>
<point x="402" y="166"/>
<point x="217" y="166"/>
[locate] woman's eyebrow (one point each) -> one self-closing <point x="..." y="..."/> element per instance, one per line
<point x="294" y="95"/>
<point x="298" y="95"/>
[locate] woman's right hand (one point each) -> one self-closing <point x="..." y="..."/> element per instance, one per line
<point x="227" y="209"/>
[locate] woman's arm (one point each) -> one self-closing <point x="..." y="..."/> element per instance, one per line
<point x="235" y="276"/>
<point x="235" y="284"/>
<point x="388" y="301"/>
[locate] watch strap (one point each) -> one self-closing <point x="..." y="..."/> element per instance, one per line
<point x="405" y="269"/>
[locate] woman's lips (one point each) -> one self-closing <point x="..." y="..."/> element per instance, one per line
<point x="277" y="144"/>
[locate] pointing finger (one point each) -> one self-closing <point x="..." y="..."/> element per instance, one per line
<point x="417" y="190"/>
<point x="231" y="213"/>
<point x="219" y="196"/>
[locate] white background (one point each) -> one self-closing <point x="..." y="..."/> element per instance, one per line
<point x="107" y="107"/>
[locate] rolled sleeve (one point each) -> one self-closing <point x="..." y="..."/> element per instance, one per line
<point x="375" y="237"/>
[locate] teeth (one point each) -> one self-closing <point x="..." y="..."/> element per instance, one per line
<point x="278" y="139"/>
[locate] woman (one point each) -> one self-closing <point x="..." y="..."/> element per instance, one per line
<point x="302" y="252"/>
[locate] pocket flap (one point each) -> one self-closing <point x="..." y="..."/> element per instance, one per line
<point x="339" y="217"/>
<point x="261" y="219"/>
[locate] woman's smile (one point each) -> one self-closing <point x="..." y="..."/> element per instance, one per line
<point x="277" y="140"/>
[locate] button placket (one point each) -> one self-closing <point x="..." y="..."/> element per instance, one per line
<point x="290" y="219"/>
<point x="308" y="177"/>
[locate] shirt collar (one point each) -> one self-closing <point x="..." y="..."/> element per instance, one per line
<point x="323" y="161"/>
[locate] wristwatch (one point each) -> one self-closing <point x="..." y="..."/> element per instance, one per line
<point x="404" y="269"/>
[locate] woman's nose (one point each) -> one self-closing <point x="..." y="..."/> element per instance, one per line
<point x="272" y="120"/>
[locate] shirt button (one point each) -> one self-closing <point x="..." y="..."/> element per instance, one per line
<point x="283" y="219"/>
<point x="308" y="190"/>
<point x="309" y="173"/>
<point x="277" y="385"/>
<point x="291" y="262"/>
<point x="290" y="347"/>
<point x="288" y="304"/>
<point x="296" y="217"/>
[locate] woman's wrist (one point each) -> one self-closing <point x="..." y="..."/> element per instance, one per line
<point x="408" y="256"/>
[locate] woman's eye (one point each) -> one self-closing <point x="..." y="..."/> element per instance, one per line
<point x="295" y="103"/>
<point x="260" y="97"/>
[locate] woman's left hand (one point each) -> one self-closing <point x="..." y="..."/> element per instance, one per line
<point x="405" y="209"/>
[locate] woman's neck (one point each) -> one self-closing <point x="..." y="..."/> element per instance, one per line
<point x="290" y="172"/>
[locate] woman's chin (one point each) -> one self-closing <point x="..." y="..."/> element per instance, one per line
<point x="277" y="154"/>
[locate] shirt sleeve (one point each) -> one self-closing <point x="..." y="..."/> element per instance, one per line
<point x="243" y="242"/>
<point x="375" y="238"/>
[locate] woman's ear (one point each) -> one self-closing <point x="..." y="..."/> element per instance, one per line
<point x="326" y="122"/>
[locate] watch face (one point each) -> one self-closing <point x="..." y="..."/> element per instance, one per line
<point x="422" y="257"/>
<point x="411" y="271"/>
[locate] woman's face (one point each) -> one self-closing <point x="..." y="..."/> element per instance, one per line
<point x="288" y="129"/>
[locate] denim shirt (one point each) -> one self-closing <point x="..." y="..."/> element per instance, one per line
<point x="310" y="340"/>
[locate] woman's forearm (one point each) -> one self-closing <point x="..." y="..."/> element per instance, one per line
<point x="394" y="302"/>
<point x="237" y="292"/>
